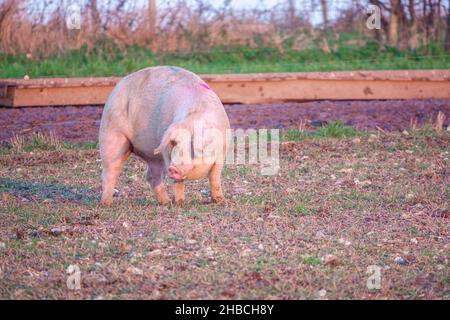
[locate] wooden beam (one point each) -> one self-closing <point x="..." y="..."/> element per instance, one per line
<point x="246" y="88"/>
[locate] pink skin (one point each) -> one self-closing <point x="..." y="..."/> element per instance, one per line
<point x="141" y="116"/>
<point x="175" y="173"/>
<point x="204" y="85"/>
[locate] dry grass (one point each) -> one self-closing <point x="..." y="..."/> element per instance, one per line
<point x="180" y="26"/>
<point x="40" y="140"/>
<point x="439" y="126"/>
<point x="336" y="207"/>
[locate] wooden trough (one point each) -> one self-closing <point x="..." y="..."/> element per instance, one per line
<point x="245" y="88"/>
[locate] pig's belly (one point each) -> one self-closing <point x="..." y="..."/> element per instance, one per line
<point x="144" y="146"/>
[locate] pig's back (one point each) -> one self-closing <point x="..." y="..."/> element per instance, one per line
<point x="150" y="100"/>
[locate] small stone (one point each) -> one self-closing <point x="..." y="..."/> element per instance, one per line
<point x="2" y="245"/>
<point x="135" y="256"/>
<point x="414" y="240"/>
<point x="56" y="231"/>
<point x="372" y="138"/>
<point x="209" y="252"/>
<point x="362" y="183"/>
<point x="191" y="241"/>
<point x="409" y="196"/>
<point x="126" y="225"/>
<point x="356" y="141"/>
<point x="34" y="234"/>
<point x="261" y="247"/>
<point x="135" y="271"/>
<point x="322" y="293"/>
<point x="155" y="253"/>
<point x="246" y="252"/>
<point x="344" y="242"/>
<point x="320" y="234"/>
<point x="405" y="133"/>
<point x="401" y="261"/>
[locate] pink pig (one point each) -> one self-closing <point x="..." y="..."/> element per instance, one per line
<point x="156" y="113"/>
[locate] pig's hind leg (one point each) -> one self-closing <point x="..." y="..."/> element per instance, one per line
<point x="114" y="151"/>
<point x="155" y="176"/>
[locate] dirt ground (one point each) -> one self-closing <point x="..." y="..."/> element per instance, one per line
<point x="340" y="214"/>
<point x="364" y="217"/>
<point x="80" y="124"/>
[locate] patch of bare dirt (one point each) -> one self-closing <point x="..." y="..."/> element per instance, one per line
<point x="81" y="124"/>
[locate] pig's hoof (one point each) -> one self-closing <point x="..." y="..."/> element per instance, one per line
<point x="163" y="199"/>
<point x="179" y="203"/>
<point x="106" y="202"/>
<point x="218" y="200"/>
<point x="164" y="202"/>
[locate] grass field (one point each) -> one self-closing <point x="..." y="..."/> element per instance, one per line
<point x="108" y="60"/>
<point x="337" y="206"/>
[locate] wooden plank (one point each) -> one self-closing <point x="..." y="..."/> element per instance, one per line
<point x="246" y="88"/>
<point x="61" y="96"/>
<point x="306" y="90"/>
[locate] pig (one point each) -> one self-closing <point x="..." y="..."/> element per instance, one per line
<point x="167" y="116"/>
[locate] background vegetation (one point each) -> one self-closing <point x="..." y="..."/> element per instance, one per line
<point x="118" y="37"/>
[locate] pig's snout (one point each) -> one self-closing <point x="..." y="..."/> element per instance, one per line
<point x="175" y="173"/>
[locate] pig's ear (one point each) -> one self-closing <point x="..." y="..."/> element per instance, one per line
<point x="168" y="137"/>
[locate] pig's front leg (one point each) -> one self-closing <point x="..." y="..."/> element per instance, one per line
<point x="214" y="181"/>
<point x="155" y="176"/>
<point x="178" y="189"/>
